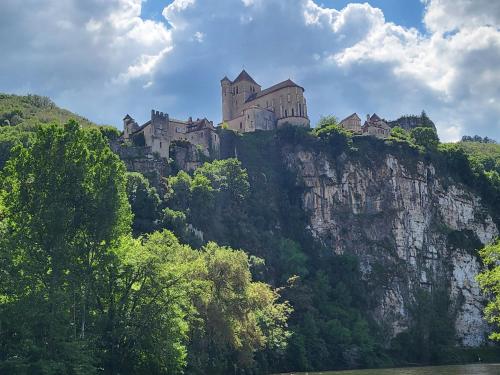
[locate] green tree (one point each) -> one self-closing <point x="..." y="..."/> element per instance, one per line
<point x="398" y="133"/>
<point x="65" y="206"/>
<point x="212" y="200"/>
<point x="489" y="281"/>
<point x="338" y="138"/>
<point x="240" y="317"/>
<point x="425" y="137"/>
<point x="145" y="321"/>
<point x="145" y="203"/>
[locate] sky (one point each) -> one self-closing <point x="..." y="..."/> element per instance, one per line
<point x="106" y="58"/>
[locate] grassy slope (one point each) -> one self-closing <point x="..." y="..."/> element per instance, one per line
<point x="21" y="115"/>
<point x="487" y="154"/>
<point x="32" y="110"/>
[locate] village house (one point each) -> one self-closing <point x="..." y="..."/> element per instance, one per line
<point x="160" y="131"/>
<point x="375" y="126"/>
<point x="352" y="123"/>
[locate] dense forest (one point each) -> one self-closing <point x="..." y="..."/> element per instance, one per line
<point x="214" y="273"/>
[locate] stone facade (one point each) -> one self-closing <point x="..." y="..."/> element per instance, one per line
<point x="375" y="126"/>
<point x="160" y="131"/>
<point x="246" y="107"/>
<point x="352" y="123"/>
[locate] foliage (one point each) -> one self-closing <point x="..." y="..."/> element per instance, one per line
<point x="477" y="166"/>
<point x="239" y="317"/>
<point x="489" y="281"/>
<point x="211" y="199"/>
<point x="425" y="137"/>
<point x="79" y="295"/>
<point x="268" y="221"/>
<point x="20" y="117"/>
<point x="477" y="139"/>
<point x="34" y="110"/>
<point x="398" y="133"/>
<point x="336" y="137"/>
<point x="145" y="203"/>
<point x="431" y="336"/>
<point x="65" y="205"/>
<point x="409" y="122"/>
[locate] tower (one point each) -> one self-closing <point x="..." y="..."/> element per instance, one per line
<point x="159" y="122"/>
<point x="227" y="99"/>
<point x="236" y="93"/>
<point x="129" y="126"/>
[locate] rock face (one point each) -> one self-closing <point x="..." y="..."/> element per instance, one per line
<point x="410" y="228"/>
<point x="140" y="159"/>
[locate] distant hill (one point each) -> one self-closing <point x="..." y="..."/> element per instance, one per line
<point x="21" y="115"/>
<point x="32" y="110"/>
<point x="486" y="154"/>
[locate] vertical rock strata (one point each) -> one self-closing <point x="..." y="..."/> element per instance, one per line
<point x="411" y="229"/>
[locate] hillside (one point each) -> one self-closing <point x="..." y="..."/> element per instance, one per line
<point x="372" y="242"/>
<point x="375" y="241"/>
<point x="21" y="115"/>
<point x="485" y="154"/>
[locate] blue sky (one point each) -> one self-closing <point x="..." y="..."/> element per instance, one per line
<point x="104" y="59"/>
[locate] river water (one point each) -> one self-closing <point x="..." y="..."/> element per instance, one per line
<point x="482" y="369"/>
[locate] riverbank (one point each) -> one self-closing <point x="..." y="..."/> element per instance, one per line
<point x="471" y="369"/>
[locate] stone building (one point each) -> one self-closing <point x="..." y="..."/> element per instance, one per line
<point x="352" y="123"/>
<point x="375" y="126"/>
<point x="246" y="107"/>
<point x="160" y="131"/>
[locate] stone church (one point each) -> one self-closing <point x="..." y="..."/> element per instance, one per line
<point x="246" y="107"/>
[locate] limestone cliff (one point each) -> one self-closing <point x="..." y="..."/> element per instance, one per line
<point x="411" y="228"/>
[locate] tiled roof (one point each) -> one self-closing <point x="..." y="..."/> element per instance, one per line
<point x="279" y="86"/>
<point x="244" y="76"/>
<point x="353" y="116"/>
<point x="199" y="125"/>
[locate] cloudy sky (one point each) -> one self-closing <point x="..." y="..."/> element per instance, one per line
<point x="106" y="58"/>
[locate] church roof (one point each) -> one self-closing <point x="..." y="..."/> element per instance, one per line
<point x="244" y="76"/>
<point x="127" y="117"/>
<point x="375" y="118"/>
<point x="279" y="86"/>
<point x="225" y="79"/>
<point x="353" y="116"/>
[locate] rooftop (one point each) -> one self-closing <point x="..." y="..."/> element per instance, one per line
<point x="278" y="86"/>
<point x="244" y="76"/>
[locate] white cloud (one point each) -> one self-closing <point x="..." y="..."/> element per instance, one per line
<point x="449" y="15"/>
<point x="199" y="36"/>
<point x="87" y="52"/>
<point x="173" y="12"/>
<point x="460" y="69"/>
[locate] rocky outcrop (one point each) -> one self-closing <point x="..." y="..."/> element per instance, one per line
<point x="410" y="228"/>
<point x="142" y="160"/>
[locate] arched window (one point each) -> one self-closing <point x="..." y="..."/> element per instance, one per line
<point x="293" y="113"/>
<point x="286" y="113"/>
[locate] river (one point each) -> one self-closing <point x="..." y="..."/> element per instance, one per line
<point x="480" y="369"/>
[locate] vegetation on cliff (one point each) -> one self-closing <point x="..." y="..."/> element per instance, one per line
<point x="101" y="273"/>
<point x="80" y="295"/>
<point x="20" y="116"/>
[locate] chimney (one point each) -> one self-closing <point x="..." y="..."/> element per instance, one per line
<point x="368" y="117"/>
